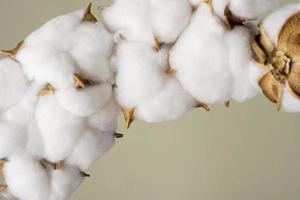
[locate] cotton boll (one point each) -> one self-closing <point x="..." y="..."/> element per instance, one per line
<point x="13" y="83"/>
<point x="26" y="178"/>
<point x="35" y="143"/>
<point x="22" y="112"/>
<point x="48" y="65"/>
<point x="105" y="119"/>
<point x="56" y="31"/>
<point x="244" y="9"/>
<point x="91" y="49"/>
<point x="273" y="23"/>
<point x="7" y="194"/>
<point x="162" y="107"/>
<point x="169" y="18"/>
<point x="139" y="75"/>
<point x="64" y="182"/>
<point x="84" y="102"/>
<point x="91" y="145"/>
<point x="59" y="128"/>
<point x="130" y="19"/>
<point x="13" y="139"/>
<point x="245" y="74"/>
<point x="200" y="58"/>
<point x="289" y="102"/>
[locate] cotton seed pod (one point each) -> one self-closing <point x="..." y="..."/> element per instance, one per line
<point x="13" y="83"/>
<point x="64" y="182"/>
<point x="59" y="128"/>
<point x="13" y="139"/>
<point x="26" y="178"/>
<point x="200" y="58"/>
<point x="148" y="21"/>
<point x="144" y="89"/>
<point x="91" y="145"/>
<point x="282" y="60"/>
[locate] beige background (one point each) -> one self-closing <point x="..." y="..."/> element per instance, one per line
<point x="247" y="152"/>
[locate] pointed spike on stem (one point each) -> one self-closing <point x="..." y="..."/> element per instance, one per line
<point x="157" y="45"/>
<point x="58" y="165"/>
<point x="84" y="174"/>
<point x="88" y="16"/>
<point x="3" y="187"/>
<point x="47" y="90"/>
<point x="128" y="116"/>
<point x="12" y="53"/>
<point x="78" y="82"/>
<point x="227" y="104"/>
<point x="170" y="71"/>
<point x="118" y="135"/>
<point x="204" y="106"/>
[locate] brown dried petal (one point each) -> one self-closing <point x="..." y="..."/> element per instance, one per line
<point x="288" y="39"/>
<point x="271" y="87"/>
<point x="294" y="80"/>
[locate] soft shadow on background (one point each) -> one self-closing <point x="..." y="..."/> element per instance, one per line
<point x="247" y="152"/>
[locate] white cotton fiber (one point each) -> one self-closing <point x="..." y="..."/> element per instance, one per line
<point x="84" y="102"/>
<point x="244" y="72"/>
<point x="130" y="19"/>
<point x="64" y="182"/>
<point x="22" y="112"/>
<point x="289" y="102"/>
<point x="12" y="139"/>
<point x="144" y="20"/>
<point x="91" y="145"/>
<point x="244" y="9"/>
<point x="200" y="58"/>
<point x="195" y="3"/>
<point x="35" y="143"/>
<point x="59" y="128"/>
<point x="13" y="83"/>
<point x="169" y="104"/>
<point x="91" y="49"/>
<point x="169" y="18"/>
<point x="139" y="75"/>
<point x="273" y="23"/>
<point x="48" y="65"/>
<point x="105" y="119"/>
<point x="26" y="178"/>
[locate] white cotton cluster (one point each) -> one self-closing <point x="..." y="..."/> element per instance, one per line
<point x="148" y="21"/>
<point x="243" y="9"/>
<point x="57" y="107"/>
<point x="213" y="63"/>
<point x="272" y="26"/>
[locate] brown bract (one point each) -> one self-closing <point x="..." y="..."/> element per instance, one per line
<point x="12" y="53"/>
<point x="47" y="90"/>
<point x="88" y="16"/>
<point x="281" y="60"/>
<point x="128" y="116"/>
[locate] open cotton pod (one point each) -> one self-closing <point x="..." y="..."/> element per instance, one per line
<point x="26" y="178"/>
<point x="64" y="182"/>
<point x="59" y="128"/>
<point x="13" y="83"/>
<point x="148" y="21"/>
<point x="282" y="60"/>
<point x="199" y="58"/>
<point x="237" y="11"/>
<point x="144" y="89"/>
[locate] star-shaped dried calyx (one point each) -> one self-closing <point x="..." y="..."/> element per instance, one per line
<point x="47" y="90"/>
<point x="88" y="16"/>
<point x="128" y="116"/>
<point x="231" y="20"/>
<point x="282" y="60"/>
<point x="12" y="53"/>
<point x="81" y="83"/>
